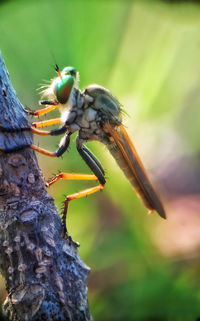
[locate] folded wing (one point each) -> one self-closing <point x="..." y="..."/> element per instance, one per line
<point x="127" y="158"/>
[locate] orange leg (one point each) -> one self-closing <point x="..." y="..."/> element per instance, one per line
<point x="62" y="147"/>
<point x="85" y="192"/>
<point x="43" y="151"/>
<point x="43" y="111"/>
<point x="74" y="196"/>
<point x="46" y="123"/>
<point x="40" y="132"/>
<point x="73" y="176"/>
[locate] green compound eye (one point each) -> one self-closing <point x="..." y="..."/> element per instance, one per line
<point x="64" y="88"/>
<point x="69" y="71"/>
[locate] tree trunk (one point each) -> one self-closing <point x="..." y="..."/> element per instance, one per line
<point x="45" y="277"/>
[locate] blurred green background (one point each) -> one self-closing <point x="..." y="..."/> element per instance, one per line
<point x="147" y="53"/>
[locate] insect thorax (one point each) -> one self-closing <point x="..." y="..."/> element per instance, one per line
<point x="89" y="110"/>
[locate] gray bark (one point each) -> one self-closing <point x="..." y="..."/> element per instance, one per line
<point x="45" y="277"/>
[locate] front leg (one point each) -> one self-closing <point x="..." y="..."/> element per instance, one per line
<point x="64" y="143"/>
<point x="51" y="106"/>
<point x="54" y="132"/>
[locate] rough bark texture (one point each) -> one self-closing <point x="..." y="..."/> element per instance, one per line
<point x="45" y="277"/>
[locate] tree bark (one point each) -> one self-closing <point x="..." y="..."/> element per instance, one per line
<point x="45" y="277"/>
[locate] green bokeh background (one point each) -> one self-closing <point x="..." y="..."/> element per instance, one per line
<point x="147" y="53"/>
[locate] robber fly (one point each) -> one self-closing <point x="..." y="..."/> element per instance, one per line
<point x="96" y="115"/>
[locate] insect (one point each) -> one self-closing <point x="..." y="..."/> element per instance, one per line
<point x="96" y="115"/>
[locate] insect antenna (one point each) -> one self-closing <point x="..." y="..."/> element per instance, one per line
<point x="57" y="69"/>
